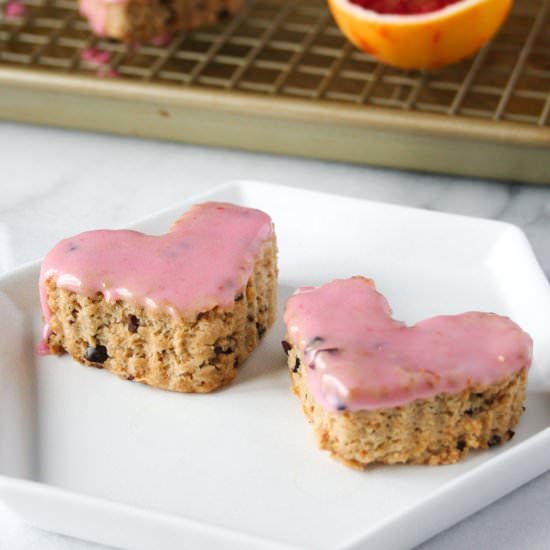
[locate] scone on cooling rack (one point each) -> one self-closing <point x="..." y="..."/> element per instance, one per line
<point x="146" y="20"/>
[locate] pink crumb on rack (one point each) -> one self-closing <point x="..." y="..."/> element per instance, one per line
<point x="162" y="40"/>
<point x="14" y="9"/>
<point x="95" y="56"/>
<point x="111" y="73"/>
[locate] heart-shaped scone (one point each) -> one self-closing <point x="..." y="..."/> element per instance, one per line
<point x="179" y="311"/>
<point x="379" y="391"/>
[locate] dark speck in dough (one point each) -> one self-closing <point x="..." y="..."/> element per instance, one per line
<point x="96" y="355"/>
<point x="286" y="346"/>
<point x="218" y="350"/>
<point x="133" y="323"/>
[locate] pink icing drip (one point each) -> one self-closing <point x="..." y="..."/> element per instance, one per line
<point x="42" y="348"/>
<point x="203" y="261"/>
<point x="358" y="358"/>
<point x="100" y="59"/>
<point x="111" y="73"/>
<point x="14" y="9"/>
<point x="95" y="56"/>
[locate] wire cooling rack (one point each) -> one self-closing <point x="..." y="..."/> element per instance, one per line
<point x="281" y="77"/>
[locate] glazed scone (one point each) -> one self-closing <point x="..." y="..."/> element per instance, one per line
<point x="146" y="20"/>
<point x="377" y="391"/>
<point x="181" y="311"/>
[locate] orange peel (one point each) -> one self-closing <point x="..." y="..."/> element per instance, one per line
<point x="422" y="41"/>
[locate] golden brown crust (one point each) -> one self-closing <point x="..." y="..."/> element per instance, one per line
<point x="156" y="348"/>
<point x="440" y="430"/>
<point x="142" y="21"/>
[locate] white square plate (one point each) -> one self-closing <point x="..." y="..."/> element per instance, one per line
<point x="89" y="455"/>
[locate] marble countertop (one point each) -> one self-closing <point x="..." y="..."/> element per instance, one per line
<point x="55" y="183"/>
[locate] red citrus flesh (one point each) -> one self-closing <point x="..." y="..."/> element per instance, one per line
<point x="419" y="34"/>
<point x="404" y="7"/>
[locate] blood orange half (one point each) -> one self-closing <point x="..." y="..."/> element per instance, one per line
<point x="419" y="34"/>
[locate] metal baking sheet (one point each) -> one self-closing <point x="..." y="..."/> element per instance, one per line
<point x="280" y="77"/>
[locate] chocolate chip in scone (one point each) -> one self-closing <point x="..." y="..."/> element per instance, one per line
<point x="250" y="318"/>
<point x="495" y="440"/>
<point x="96" y="355"/>
<point x="461" y="445"/>
<point x="286" y="346"/>
<point x="260" y="329"/>
<point x="133" y="323"/>
<point x="130" y="377"/>
<point x="523" y="409"/>
<point x="511" y="434"/>
<point x="296" y="367"/>
<point x="469" y="412"/>
<point x="74" y="316"/>
<point x="218" y="350"/>
<point x="239" y="297"/>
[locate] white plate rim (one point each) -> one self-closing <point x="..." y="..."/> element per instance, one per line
<point x="536" y="445"/>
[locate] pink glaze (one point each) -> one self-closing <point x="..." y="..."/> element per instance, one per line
<point x="203" y="261"/>
<point x="14" y="9"/>
<point x="95" y="11"/>
<point x="162" y="40"/>
<point x="95" y="56"/>
<point x="357" y="357"/>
